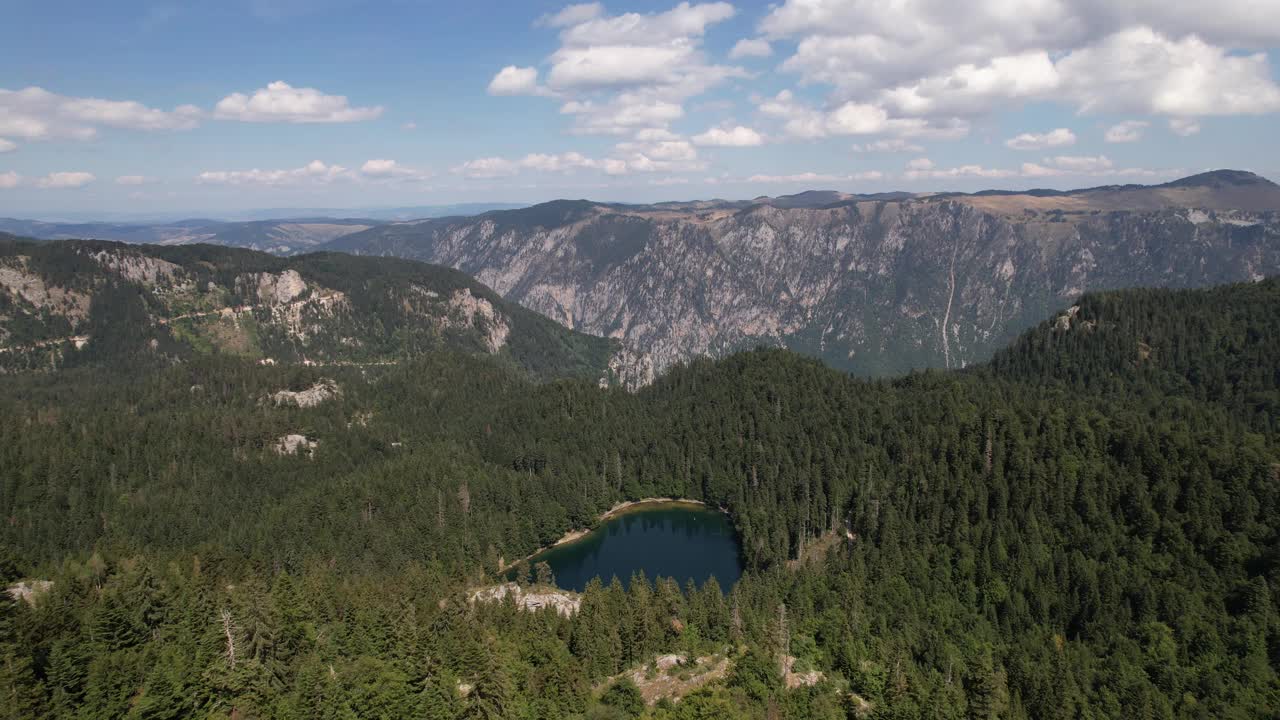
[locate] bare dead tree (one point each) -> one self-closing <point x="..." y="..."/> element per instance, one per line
<point x="229" y="629"/>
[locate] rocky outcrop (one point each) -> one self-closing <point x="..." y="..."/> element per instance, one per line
<point x="137" y="267"/>
<point x="25" y="286"/>
<point x="564" y="602"/>
<point x="671" y="677"/>
<point x="310" y="397"/>
<point x="274" y="288"/>
<point x="873" y="286"/>
<point x="477" y="313"/>
<point x="29" y="591"/>
<point x="629" y="369"/>
<point x="294" y="444"/>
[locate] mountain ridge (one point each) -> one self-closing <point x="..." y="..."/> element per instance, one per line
<point x="77" y="302"/>
<point x="871" y="286"/>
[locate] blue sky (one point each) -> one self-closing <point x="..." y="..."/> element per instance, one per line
<point x="154" y="107"/>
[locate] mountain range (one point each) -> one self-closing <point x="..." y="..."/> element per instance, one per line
<point x="873" y="284"/>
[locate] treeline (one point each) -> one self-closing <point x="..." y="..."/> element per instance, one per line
<point x="1082" y="529"/>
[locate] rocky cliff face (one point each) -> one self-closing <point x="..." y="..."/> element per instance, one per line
<point x="74" y="302"/>
<point x="872" y="286"/>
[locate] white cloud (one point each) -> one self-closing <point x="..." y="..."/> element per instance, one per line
<point x="1140" y="70"/>
<point x="751" y="47"/>
<point x="572" y="15"/>
<point x="1184" y="127"/>
<point x="651" y="151"/>
<point x="669" y="181"/>
<point x="932" y="60"/>
<point x="738" y="136"/>
<point x="34" y="113"/>
<point x="623" y="73"/>
<point x="655" y="156"/>
<point x="1061" y="165"/>
<point x="133" y="180"/>
<point x="889" y="146"/>
<point x="1059" y="137"/>
<point x="806" y="122"/>
<point x="7" y="145"/>
<point x="512" y="80"/>
<point x="281" y="102"/>
<point x="857" y="119"/>
<point x="409" y="126"/>
<point x="812" y="177"/>
<point x="1126" y="132"/>
<point x="314" y="172"/>
<point x="383" y="169"/>
<point x="564" y="162"/>
<point x="9" y="180"/>
<point x="1081" y="164"/>
<point x="972" y="171"/>
<point x="486" y="168"/>
<point x="626" y="113"/>
<point x="65" y="180"/>
<point x="971" y="89"/>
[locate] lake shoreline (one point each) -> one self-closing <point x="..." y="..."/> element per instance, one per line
<point x="621" y="508"/>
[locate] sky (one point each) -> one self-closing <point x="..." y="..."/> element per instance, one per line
<point x="127" y="107"/>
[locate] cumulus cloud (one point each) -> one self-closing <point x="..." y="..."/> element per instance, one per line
<point x="1057" y="166"/>
<point x="1140" y="70"/>
<point x="751" y="47"/>
<point x="737" y="136"/>
<point x="624" y="114"/>
<point x="651" y="151"/>
<point x="9" y="180"/>
<point x="512" y="80"/>
<point x="383" y="169"/>
<point x="486" y="168"/>
<point x="563" y="162"/>
<point x="7" y="145"/>
<point x="65" y="180"/>
<point x="618" y="74"/>
<point x="34" y="113"/>
<point x="1184" y="127"/>
<point x="133" y="180"/>
<point x="654" y="156"/>
<point x="804" y="121"/>
<point x="1038" y="141"/>
<point x="314" y="172"/>
<point x="281" y="102"/>
<point x="1126" y="132"/>
<point x="932" y="60"/>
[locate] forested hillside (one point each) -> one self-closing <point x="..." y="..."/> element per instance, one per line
<point x="73" y="303"/>
<point x="1086" y="527"/>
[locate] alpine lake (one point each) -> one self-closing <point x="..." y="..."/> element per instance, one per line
<point x="679" y="540"/>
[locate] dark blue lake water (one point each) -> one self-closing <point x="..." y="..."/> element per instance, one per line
<point x="678" y="541"/>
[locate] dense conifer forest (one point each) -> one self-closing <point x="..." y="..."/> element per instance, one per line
<point x="1085" y="527"/>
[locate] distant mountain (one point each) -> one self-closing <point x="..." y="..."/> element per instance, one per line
<point x="93" y="302"/>
<point x="281" y="231"/>
<point x="871" y="284"/>
<point x="282" y="237"/>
